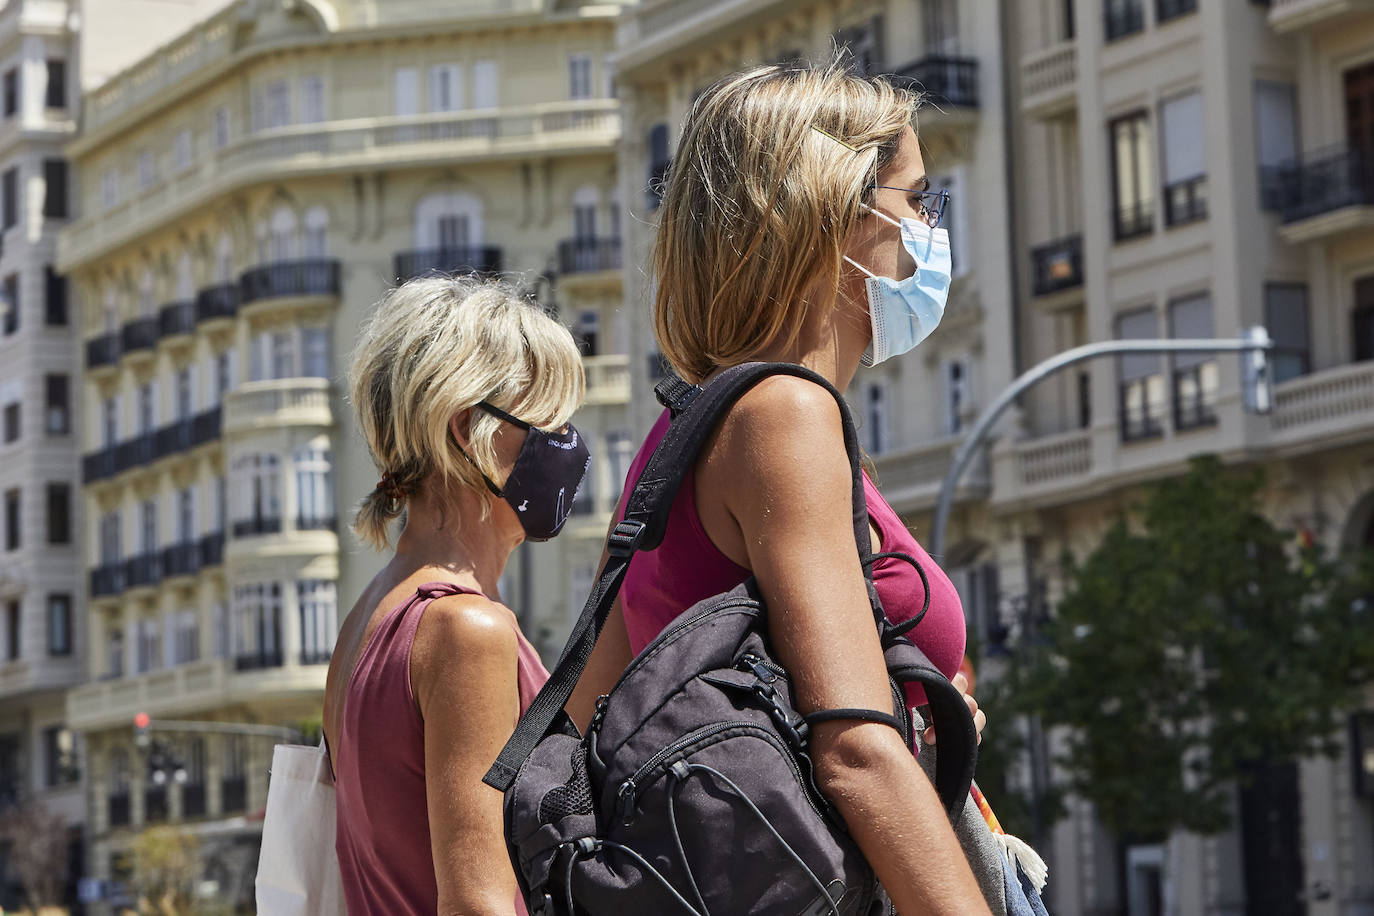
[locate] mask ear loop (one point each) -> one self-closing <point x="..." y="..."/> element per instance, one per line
<point x="881" y="215"/>
<point x="495" y="490"/>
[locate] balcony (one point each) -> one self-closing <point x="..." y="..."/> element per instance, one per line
<point x="1046" y="465"/>
<point x="1185" y="201"/>
<point x="107" y="580"/>
<point x="421" y="262"/>
<point x="1133" y="221"/>
<point x="205" y="426"/>
<point x="99" y="465"/>
<point x="135" y="452"/>
<point x="258" y="660"/>
<point x="910" y="477"/>
<point x="212" y="549"/>
<point x="103" y="351"/>
<point x="185" y="691"/>
<point x="608" y="379"/>
<point x="445" y="139"/>
<point x="1049" y="82"/>
<point x="588" y="255"/>
<point x="139" y="334"/>
<point x="1334" y="404"/>
<point x="948" y="81"/>
<point x="257" y="526"/>
<point x="277" y="403"/>
<point x="309" y="278"/>
<point x="181" y="559"/>
<point x="1328" y="193"/>
<point x="143" y="570"/>
<point x="1293" y="15"/>
<point x="1121" y="19"/>
<point x="1057" y="266"/>
<point x="175" y="437"/>
<point x="217" y="303"/>
<point x="177" y="319"/>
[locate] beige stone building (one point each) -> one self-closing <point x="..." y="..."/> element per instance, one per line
<point x="244" y="195"/>
<point x="1118" y="169"/>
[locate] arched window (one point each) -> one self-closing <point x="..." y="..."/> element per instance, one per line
<point x="316" y="233"/>
<point x="314" y="465"/>
<point x="282" y="235"/>
<point x="186" y="289"/>
<point x="449" y="221"/>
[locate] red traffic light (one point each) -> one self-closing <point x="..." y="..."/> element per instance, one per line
<point x="141" y="720"/>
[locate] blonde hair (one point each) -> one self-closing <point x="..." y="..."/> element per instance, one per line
<point x="764" y="188"/>
<point x="436" y="346"/>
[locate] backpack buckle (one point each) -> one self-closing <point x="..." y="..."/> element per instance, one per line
<point x="624" y="538"/>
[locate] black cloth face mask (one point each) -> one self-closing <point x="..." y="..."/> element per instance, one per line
<point x="546" y="477"/>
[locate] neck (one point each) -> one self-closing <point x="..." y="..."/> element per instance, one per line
<point x="445" y="529"/>
<point x="832" y="342"/>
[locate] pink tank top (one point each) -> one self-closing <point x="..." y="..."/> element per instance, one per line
<point x="383" y="837"/>
<point x="688" y="567"/>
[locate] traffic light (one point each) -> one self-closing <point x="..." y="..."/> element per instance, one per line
<point x="141" y="723"/>
<point x="1256" y="385"/>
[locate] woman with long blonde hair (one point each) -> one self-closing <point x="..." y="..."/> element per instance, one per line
<point x="798" y="225"/>
<point x="462" y="392"/>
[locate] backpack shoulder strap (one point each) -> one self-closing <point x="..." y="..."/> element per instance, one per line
<point x="699" y="411"/>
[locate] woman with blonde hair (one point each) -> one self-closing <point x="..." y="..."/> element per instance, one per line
<point x="462" y="392"/>
<point x="798" y="225"/>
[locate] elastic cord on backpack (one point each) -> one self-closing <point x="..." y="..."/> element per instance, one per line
<point x="863" y="715"/>
<point x="901" y="629"/>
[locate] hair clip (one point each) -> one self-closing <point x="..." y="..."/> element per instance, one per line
<point x="390" y="488"/>
<point x="848" y="146"/>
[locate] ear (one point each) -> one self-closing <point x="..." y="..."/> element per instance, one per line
<point x="459" y="427"/>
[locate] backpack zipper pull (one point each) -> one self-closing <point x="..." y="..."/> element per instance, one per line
<point x="625" y="802"/>
<point x="599" y="715"/>
<point x="760" y="670"/>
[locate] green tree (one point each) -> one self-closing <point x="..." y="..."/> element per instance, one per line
<point x="1196" y="642"/>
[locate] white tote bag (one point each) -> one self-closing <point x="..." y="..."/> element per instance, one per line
<point x="298" y="869"/>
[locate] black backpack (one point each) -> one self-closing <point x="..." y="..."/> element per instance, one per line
<point x="692" y="791"/>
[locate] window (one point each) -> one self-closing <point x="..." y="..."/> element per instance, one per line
<point x="11" y="91"/>
<point x="1172" y="9"/>
<point x="59" y="624"/>
<point x="11" y="191"/>
<point x="1085" y="399"/>
<point x="181" y="150"/>
<point x="940" y="20"/>
<point x="57" y="405"/>
<point x="56" y="94"/>
<point x="13" y="632"/>
<point x="278" y="100"/>
<point x="282" y="352"/>
<point x="318" y="603"/>
<point x="315" y="352"/>
<point x="114" y="654"/>
<point x="406" y="91"/>
<point x="147" y="169"/>
<point x="454" y="232"/>
<point x="620" y="449"/>
<point x="659" y="161"/>
<point x="59" y="756"/>
<point x="314" y="485"/>
<point x="585" y="204"/>
<point x="579" y="76"/>
<point x="186" y="515"/>
<point x="1276" y="126"/>
<point x="111" y="549"/>
<point x="55" y="188"/>
<point x="234" y="781"/>
<point x="12" y="422"/>
<point x="257" y="487"/>
<point x="445" y="88"/>
<point x="1141" y="384"/>
<point x="587" y="331"/>
<point x="54" y="297"/>
<point x="1285" y="315"/>
<point x="316" y="233"/>
<point x="1185" y="159"/>
<point x="951" y="219"/>
<point x="186" y="638"/>
<point x="608" y="76"/>
<point x="1132" y="176"/>
<point x="147" y="528"/>
<point x="484" y="84"/>
<point x="257" y="625"/>
<point x="1364" y="319"/>
<point x="978" y="590"/>
<point x="224" y="380"/>
<point x="12" y="520"/>
<point x="59" y="513"/>
<point x="109" y="188"/>
<point x="147" y="408"/>
<point x="184" y="393"/>
<point x="9" y="289"/>
<point x="876" y="429"/>
<point x="149" y="647"/>
<point x="864" y="42"/>
<point x="109" y="426"/>
<point x="957" y="398"/>
<point x="1123" y="17"/>
<point x="223" y="641"/>
<point x="312" y="99"/>
<point x="220" y="127"/>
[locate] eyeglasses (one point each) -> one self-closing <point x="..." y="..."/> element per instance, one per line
<point x="932" y="203"/>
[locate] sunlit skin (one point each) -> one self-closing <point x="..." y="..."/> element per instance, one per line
<point x="773" y="492"/>
<point x="471" y="633"/>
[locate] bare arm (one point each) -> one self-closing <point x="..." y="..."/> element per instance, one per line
<point x="778" y="474"/>
<point x="463" y="674"/>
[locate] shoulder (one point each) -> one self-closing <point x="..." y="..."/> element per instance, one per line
<point x="785" y="409"/>
<point x="471" y="629"/>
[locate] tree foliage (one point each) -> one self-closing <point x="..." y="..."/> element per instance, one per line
<point x="1196" y="641"/>
<point x="38" y="841"/>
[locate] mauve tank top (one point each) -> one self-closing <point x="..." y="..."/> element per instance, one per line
<point x="688" y="567"/>
<point x="382" y="819"/>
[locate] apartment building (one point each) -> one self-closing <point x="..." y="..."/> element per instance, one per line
<point x="246" y="193"/>
<point x="1189" y="169"/>
<point x="41" y="645"/>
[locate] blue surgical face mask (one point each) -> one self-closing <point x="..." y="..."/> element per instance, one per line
<point x="905" y="312"/>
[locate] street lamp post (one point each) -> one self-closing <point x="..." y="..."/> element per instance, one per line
<point x="1252" y="345"/>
